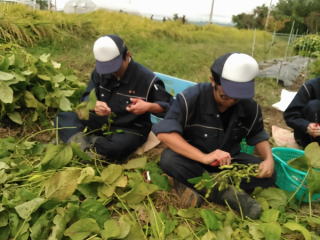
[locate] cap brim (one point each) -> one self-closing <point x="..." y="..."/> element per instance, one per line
<point x="238" y="90"/>
<point x="109" y="66"/>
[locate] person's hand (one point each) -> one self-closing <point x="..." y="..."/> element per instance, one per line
<point x="217" y="157"/>
<point x="138" y="106"/>
<point x="266" y="168"/>
<point x="313" y="129"/>
<point x="102" y="109"/>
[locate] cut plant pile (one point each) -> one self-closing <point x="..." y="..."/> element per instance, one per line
<point x="59" y="192"/>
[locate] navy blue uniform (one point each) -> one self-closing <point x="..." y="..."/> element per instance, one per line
<point x="138" y="82"/>
<point x="304" y="109"/>
<point x="195" y="116"/>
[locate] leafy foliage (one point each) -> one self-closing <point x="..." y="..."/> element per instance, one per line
<point x="94" y="201"/>
<point x="308" y="45"/>
<point x="33" y="85"/>
<point x="304" y="15"/>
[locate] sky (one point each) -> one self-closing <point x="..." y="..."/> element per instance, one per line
<point x="195" y="10"/>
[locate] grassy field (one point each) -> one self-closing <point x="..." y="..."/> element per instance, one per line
<point x="182" y="50"/>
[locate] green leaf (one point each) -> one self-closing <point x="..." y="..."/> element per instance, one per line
<point x="39" y="91"/>
<point x="27" y="72"/>
<point x="15" y="117"/>
<point x="5" y="232"/>
<point x="25" y="209"/>
<point x="4" y="64"/>
<point x="6" y="93"/>
<point x="189" y="213"/>
<point x="82" y="229"/>
<point x="44" y="77"/>
<point x="91" y="208"/>
<point x="83" y="108"/>
<point x="139" y="192"/>
<point x="41" y="228"/>
<point x="57" y="156"/>
<point x="313" y="181"/>
<point x="136" y="163"/>
<point x="125" y="226"/>
<point x="111" y="229"/>
<point x="210" y="219"/>
<point x="111" y="173"/>
<point x="86" y="175"/>
<point x="78" y="152"/>
<point x="3" y="176"/>
<point x="82" y="111"/>
<point x="312" y="152"/>
<point x="58" y="78"/>
<point x="65" y="104"/>
<point x="44" y="57"/>
<point x="92" y="100"/>
<point x="276" y="197"/>
<point x="106" y="191"/>
<point x="300" y="163"/>
<point x="293" y="226"/>
<point x="55" y="64"/>
<point x="209" y="236"/>
<point x="271" y="231"/>
<point x="255" y="231"/>
<point x="270" y="215"/>
<point x="61" y="220"/>
<point x="183" y="231"/>
<point x="6" y="76"/>
<point x="31" y="101"/>
<point x="4" y="219"/>
<point x="62" y="184"/>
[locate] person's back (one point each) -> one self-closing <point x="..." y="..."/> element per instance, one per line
<point x="303" y="113"/>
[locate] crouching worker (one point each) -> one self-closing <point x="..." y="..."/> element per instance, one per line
<point x="303" y="113"/>
<point x="205" y="125"/>
<point x="125" y="89"/>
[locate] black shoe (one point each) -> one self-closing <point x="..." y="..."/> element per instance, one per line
<point x="239" y="201"/>
<point x="188" y="197"/>
<point x="81" y="139"/>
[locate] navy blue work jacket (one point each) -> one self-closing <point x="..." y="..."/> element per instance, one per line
<point x="194" y="114"/>
<point x="293" y="115"/>
<point x="137" y="82"/>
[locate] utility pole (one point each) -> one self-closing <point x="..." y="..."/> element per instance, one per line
<point x="211" y="12"/>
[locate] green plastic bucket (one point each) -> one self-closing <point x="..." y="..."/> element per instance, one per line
<point x="289" y="178"/>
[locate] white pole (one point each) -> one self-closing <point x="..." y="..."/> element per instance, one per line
<point x="253" y="42"/>
<point x="211" y="12"/>
<point x="268" y="15"/>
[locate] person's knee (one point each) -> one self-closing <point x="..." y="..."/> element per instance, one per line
<point x="166" y="161"/>
<point x="114" y="149"/>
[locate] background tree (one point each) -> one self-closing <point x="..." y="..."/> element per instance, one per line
<point x="43" y="4"/>
<point x="303" y="14"/>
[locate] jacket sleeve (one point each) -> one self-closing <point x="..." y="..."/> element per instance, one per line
<point x="293" y="115"/>
<point x="256" y="131"/>
<point x="175" y="118"/>
<point x="159" y="95"/>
